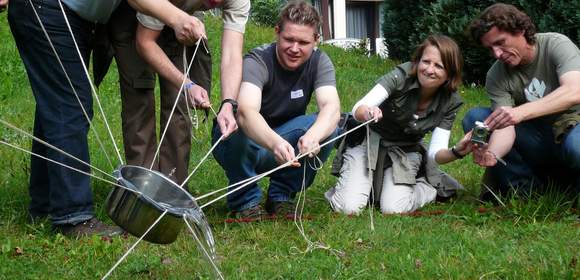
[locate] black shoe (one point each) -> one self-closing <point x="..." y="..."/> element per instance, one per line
<point x="34" y="219"/>
<point x="88" y="228"/>
<point x="489" y="189"/>
<point x="252" y="214"/>
<point x="284" y="209"/>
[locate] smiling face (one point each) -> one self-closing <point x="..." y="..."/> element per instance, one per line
<point x="510" y="49"/>
<point x="430" y="69"/>
<point x="295" y="44"/>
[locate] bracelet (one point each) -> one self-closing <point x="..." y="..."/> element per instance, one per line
<point x="189" y="85"/>
<point x="456" y="153"/>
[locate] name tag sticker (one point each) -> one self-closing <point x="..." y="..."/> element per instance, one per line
<point x="296" y="94"/>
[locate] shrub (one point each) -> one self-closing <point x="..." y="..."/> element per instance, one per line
<point x="265" y="12"/>
<point x="400" y="21"/>
<point x="562" y="17"/>
<point x="406" y="24"/>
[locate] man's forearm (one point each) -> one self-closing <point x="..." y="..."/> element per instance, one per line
<point x="558" y="101"/>
<point x="561" y="99"/>
<point x="325" y="123"/>
<point x="231" y="64"/>
<point x="256" y="128"/>
<point x="156" y="57"/>
<point x="502" y="141"/>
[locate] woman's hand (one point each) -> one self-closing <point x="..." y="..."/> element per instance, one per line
<point x="464" y="146"/>
<point x="373" y="113"/>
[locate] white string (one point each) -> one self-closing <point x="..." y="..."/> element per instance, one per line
<point x="255" y="178"/>
<point x="204" y="251"/>
<point x="300" y="202"/>
<point x="222" y="189"/>
<point x="134" y="245"/>
<point x="66" y="166"/>
<point x="70" y="83"/>
<point x="370" y="174"/>
<point x="181" y="88"/>
<point x="201" y="161"/>
<point x="288" y="163"/>
<point x="316" y="163"/>
<point x="194" y="118"/>
<point x="195" y="123"/>
<point x="91" y="84"/>
<point x="53" y="147"/>
<point x="213" y="111"/>
<point x="107" y="127"/>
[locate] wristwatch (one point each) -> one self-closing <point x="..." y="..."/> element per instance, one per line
<point x="456" y="153"/>
<point x="231" y="101"/>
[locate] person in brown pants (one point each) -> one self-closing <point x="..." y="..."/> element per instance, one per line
<point x="137" y="83"/>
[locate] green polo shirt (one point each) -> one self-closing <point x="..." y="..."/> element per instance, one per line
<point x="400" y="122"/>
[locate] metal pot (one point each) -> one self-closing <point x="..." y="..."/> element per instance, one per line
<point x="148" y="195"/>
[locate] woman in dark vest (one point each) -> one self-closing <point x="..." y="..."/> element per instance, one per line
<point x="415" y="98"/>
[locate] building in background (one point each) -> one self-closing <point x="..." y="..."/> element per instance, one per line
<point x="347" y="22"/>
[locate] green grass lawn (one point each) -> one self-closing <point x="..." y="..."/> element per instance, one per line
<point x="537" y="239"/>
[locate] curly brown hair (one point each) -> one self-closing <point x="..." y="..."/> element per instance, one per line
<point x="450" y="57"/>
<point x="506" y="18"/>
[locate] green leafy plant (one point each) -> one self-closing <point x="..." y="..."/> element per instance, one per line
<point x="265" y="12"/>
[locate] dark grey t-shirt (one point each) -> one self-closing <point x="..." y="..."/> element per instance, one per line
<point x="286" y="94"/>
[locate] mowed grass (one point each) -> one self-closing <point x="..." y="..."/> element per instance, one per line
<point x="461" y="239"/>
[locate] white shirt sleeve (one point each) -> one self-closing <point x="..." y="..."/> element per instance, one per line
<point x="439" y="141"/>
<point x="150" y="22"/>
<point x="373" y="98"/>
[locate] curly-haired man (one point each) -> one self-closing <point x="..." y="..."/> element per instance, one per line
<point x="534" y="87"/>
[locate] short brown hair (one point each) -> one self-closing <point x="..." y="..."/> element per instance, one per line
<point x="300" y="12"/>
<point x="506" y="18"/>
<point x="450" y="56"/>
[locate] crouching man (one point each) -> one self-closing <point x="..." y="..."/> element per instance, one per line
<point x="534" y="87"/>
<point x="277" y="83"/>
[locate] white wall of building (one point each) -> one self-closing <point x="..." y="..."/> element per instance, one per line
<point x="339" y="11"/>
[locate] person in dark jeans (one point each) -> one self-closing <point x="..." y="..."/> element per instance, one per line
<point x="278" y="82"/>
<point x="534" y="87"/>
<point x="57" y="192"/>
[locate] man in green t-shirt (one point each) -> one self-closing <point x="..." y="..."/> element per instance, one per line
<point x="534" y="87"/>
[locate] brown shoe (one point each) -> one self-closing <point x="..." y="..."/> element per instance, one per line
<point x="252" y="214"/>
<point x="282" y="209"/>
<point x="88" y="228"/>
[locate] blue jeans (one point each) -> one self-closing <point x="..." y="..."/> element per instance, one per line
<point x="243" y="158"/>
<point x="535" y="160"/>
<point x="62" y="193"/>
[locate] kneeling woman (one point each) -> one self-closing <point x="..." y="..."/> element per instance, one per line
<point x="415" y="98"/>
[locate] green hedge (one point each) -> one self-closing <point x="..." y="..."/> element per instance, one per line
<point x="408" y="22"/>
<point x="265" y="12"/>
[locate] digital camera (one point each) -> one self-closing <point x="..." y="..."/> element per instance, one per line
<point x="480" y="134"/>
